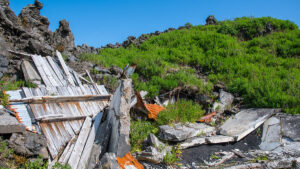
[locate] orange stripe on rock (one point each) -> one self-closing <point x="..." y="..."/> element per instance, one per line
<point x="129" y="160"/>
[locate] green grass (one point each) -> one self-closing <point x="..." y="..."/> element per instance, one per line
<point x="6" y="84"/>
<point x="139" y="131"/>
<point x="264" y="68"/>
<point x="182" y="111"/>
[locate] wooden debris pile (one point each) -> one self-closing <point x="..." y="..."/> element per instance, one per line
<point x="69" y="113"/>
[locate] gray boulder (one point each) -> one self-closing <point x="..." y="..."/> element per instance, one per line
<point x="29" y="144"/>
<point x="9" y="124"/>
<point x="109" y="161"/>
<point x="180" y="132"/>
<point x="281" y="135"/>
<point x="154" y="151"/>
<point x="244" y="122"/>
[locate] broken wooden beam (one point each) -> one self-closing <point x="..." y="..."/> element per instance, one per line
<point x="65" y="68"/>
<point x="57" y="99"/>
<point x="80" y="143"/>
<point x="59" y="119"/>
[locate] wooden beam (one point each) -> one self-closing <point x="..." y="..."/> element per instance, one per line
<point x="65" y="68"/>
<point x="59" y="119"/>
<point x="64" y="158"/>
<point x="80" y="143"/>
<point x="88" y="73"/>
<point x="58" y="99"/>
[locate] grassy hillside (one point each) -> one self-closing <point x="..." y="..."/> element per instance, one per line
<point x="259" y="64"/>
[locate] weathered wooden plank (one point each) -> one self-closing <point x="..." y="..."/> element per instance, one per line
<point x="55" y="99"/>
<point x="65" y="68"/>
<point x="76" y="78"/>
<point x="90" y="77"/>
<point x="64" y="158"/>
<point x="81" y="106"/>
<point x="57" y="71"/>
<point x="79" y="145"/>
<point x="47" y="71"/>
<point x="84" y="159"/>
<point x="59" y="119"/>
<point x="51" y="72"/>
<point x="50" y="140"/>
<point x="68" y="110"/>
<point x="40" y="69"/>
<point x="94" y="106"/>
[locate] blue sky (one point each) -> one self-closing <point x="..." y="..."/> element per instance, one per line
<point x="99" y="22"/>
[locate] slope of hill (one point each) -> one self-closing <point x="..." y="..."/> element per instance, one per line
<point x="256" y="58"/>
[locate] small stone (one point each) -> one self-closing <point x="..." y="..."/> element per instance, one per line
<point x="219" y="139"/>
<point x="192" y="142"/>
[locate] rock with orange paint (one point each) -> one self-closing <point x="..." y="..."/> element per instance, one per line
<point x="129" y="162"/>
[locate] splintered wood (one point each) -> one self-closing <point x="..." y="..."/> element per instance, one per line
<point x="63" y="107"/>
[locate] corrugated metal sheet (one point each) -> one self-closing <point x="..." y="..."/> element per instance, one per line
<point x="21" y="111"/>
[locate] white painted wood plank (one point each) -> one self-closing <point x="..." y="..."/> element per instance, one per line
<point x="40" y="69"/>
<point x="64" y="158"/>
<point x="57" y="70"/>
<point x="52" y="72"/>
<point x="87" y="150"/>
<point x="79" y="145"/>
<point x="47" y="71"/>
<point x="65" y="68"/>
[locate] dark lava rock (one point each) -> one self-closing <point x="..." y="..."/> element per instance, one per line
<point x="211" y="20"/>
<point x="63" y="38"/>
<point x="3" y="65"/>
<point x="203" y="152"/>
<point x="29" y="144"/>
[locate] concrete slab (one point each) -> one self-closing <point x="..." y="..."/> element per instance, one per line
<point x="245" y="122"/>
<point x="9" y="124"/>
<point x="271" y="137"/>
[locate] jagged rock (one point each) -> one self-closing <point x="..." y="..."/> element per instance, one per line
<point x="290" y="127"/>
<point x="63" y="38"/>
<point x="9" y="124"/>
<point x="3" y="65"/>
<point x="211" y="20"/>
<point x="226" y="98"/>
<point x="115" y="70"/>
<point x="154" y="151"/>
<point x="109" y="161"/>
<point x="281" y="135"/>
<point x="182" y="132"/>
<point x="29" y="144"/>
<point x="245" y="122"/>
